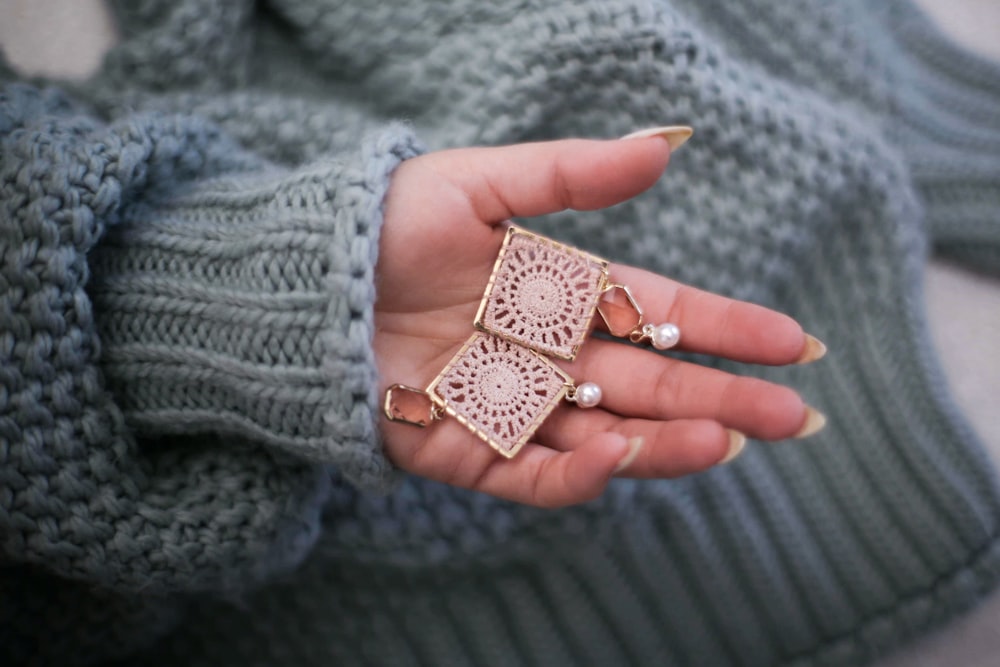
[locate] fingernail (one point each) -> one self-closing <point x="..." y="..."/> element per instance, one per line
<point x="634" y="445"/>
<point x="815" y="349"/>
<point x="814" y="423"/>
<point x="675" y="135"/>
<point x="737" y="441"/>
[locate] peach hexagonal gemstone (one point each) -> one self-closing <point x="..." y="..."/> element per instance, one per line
<point x="619" y="310"/>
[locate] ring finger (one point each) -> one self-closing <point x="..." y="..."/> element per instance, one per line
<point x="670" y="448"/>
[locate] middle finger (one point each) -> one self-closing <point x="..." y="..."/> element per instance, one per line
<point x="639" y="383"/>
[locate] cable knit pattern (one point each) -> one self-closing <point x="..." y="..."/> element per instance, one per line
<point x="187" y="412"/>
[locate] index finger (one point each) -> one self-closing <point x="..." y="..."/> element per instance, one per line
<point x="717" y="325"/>
<point x="525" y="180"/>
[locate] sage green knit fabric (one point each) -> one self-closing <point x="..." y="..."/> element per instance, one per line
<point x="190" y="471"/>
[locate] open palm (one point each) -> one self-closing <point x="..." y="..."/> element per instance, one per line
<point x="442" y="232"/>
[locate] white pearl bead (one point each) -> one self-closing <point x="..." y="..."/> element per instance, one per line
<point x="588" y="395"/>
<point x="665" y="336"/>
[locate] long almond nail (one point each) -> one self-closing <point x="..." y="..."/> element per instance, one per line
<point x="814" y="423"/>
<point x="815" y="349"/>
<point x="634" y="445"/>
<point x="737" y="441"/>
<point x="675" y="135"/>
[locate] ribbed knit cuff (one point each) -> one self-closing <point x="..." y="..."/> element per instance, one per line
<point x="245" y="307"/>
<point x="950" y="132"/>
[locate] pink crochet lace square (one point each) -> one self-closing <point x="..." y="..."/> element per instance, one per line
<point x="542" y="294"/>
<point x="500" y="391"/>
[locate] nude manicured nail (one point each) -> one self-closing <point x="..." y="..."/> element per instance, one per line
<point x="737" y="441"/>
<point x="675" y="135"/>
<point x="814" y="423"/>
<point x="634" y="445"/>
<point x="815" y="349"/>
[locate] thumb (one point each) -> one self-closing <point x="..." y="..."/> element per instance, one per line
<point x="533" y="179"/>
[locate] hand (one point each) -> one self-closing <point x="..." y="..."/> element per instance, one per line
<point x="441" y="236"/>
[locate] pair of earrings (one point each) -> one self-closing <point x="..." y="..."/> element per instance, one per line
<point x="540" y="301"/>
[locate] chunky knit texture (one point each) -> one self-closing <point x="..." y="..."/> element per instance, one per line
<point x="186" y="412"/>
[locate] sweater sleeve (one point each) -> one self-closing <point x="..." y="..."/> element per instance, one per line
<point x="184" y="345"/>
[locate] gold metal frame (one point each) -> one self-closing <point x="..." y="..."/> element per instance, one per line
<point x="512" y="231"/>
<point x="568" y="383"/>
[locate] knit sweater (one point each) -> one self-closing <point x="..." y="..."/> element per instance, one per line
<point x="190" y="470"/>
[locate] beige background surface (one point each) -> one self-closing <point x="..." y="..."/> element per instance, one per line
<point x="68" y="38"/>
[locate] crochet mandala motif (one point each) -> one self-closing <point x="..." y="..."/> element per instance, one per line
<point x="542" y="294"/>
<point x="500" y="391"/>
